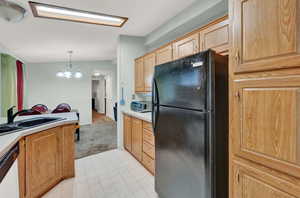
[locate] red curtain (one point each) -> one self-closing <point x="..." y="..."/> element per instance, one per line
<point x="20" y="84"/>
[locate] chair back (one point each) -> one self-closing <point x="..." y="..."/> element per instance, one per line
<point x="60" y="110"/>
<point x="64" y="106"/>
<point x="40" y="108"/>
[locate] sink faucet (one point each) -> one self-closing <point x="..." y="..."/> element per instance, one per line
<point x="11" y="116"/>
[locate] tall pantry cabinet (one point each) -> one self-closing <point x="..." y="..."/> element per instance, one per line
<point x="264" y="98"/>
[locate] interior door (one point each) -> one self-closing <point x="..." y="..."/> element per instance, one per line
<point x="266" y="34"/>
<point x="181" y="143"/>
<point x="43" y="161"/>
<point x="267" y="131"/>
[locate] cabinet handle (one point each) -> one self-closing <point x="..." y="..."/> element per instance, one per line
<point x="238" y="95"/>
<point x="237" y="57"/>
<point x="238" y="177"/>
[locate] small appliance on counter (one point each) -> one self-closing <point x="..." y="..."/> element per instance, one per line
<point x="141" y="106"/>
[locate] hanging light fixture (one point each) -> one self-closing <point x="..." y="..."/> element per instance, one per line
<point x="67" y="73"/>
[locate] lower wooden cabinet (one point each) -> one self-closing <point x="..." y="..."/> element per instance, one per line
<point x="43" y="160"/>
<point x="252" y="181"/>
<point x="139" y="141"/>
<point x="137" y="138"/>
<point x="127" y="133"/>
<point x="47" y="158"/>
<point x="149" y="163"/>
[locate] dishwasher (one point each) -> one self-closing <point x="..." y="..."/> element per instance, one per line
<point x="9" y="181"/>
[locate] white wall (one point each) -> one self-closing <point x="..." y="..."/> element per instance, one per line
<point x="198" y="14"/>
<point x="44" y="87"/>
<point x="129" y="48"/>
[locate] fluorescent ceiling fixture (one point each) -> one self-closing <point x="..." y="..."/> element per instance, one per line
<point x="69" y="14"/>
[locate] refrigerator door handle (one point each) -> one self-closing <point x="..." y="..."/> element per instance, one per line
<point x="155" y="105"/>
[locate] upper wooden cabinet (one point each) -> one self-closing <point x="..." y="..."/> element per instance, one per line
<point x="216" y="37"/>
<point x="44" y="161"/>
<point x="127" y="133"/>
<point x="139" y="75"/>
<point x="164" y="55"/>
<point x="137" y="138"/>
<point x="266" y="34"/>
<point x="149" y="64"/>
<point x="267" y="131"/>
<point x="186" y="46"/>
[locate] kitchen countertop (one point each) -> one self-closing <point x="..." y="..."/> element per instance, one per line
<point x="9" y="140"/>
<point x="143" y="116"/>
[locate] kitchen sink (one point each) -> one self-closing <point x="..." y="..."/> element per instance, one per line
<point x="8" y="128"/>
<point x="26" y="124"/>
<point x="35" y="122"/>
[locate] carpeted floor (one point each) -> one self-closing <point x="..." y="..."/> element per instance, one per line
<point x="96" y="138"/>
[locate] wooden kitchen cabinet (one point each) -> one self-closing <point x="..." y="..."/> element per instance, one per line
<point x="127" y="133"/>
<point x="164" y="54"/>
<point x="137" y="138"/>
<point x="43" y="161"/>
<point x="149" y="64"/>
<point x="267" y="131"/>
<point x="186" y="46"/>
<point x="256" y="182"/>
<point x="216" y="37"/>
<point x="265" y="34"/>
<point x="139" y="75"/>
<point x="141" y="140"/>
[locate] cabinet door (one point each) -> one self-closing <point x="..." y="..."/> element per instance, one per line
<point x="127" y="133"/>
<point x="164" y="55"/>
<point x="139" y="75"/>
<point x="216" y="37"/>
<point x="253" y="182"/>
<point x="68" y="151"/>
<point x="186" y="46"/>
<point x="267" y="125"/>
<point x="137" y="138"/>
<point x="266" y="34"/>
<point x="43" y="161"/>
<point x="149" y="64"/>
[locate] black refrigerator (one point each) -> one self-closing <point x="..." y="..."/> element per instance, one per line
<point x="190" y="122"/>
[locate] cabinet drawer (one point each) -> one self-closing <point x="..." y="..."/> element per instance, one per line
<point x="148" y="163"/>
<point x="149" y="149"/>
<point x="147" y="125"/>
<point x="148" y="136"/>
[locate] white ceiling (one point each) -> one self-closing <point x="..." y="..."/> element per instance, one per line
<point x="45" y="40"/>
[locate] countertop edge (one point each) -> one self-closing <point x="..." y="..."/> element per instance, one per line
<point x="142" y="116"/>
<point x="24" y="133"/>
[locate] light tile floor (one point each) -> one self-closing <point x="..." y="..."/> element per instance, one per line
<point x="112" y="174"/>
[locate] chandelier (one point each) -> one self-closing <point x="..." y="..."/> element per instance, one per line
<point x="68" y="73"/>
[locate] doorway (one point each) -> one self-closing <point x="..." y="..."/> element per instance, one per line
<point x="101" y="135"/>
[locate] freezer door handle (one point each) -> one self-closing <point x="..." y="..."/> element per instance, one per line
<point x="155" y="105"/>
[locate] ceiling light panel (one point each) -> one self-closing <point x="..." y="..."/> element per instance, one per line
<point x="69" y="14"/>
